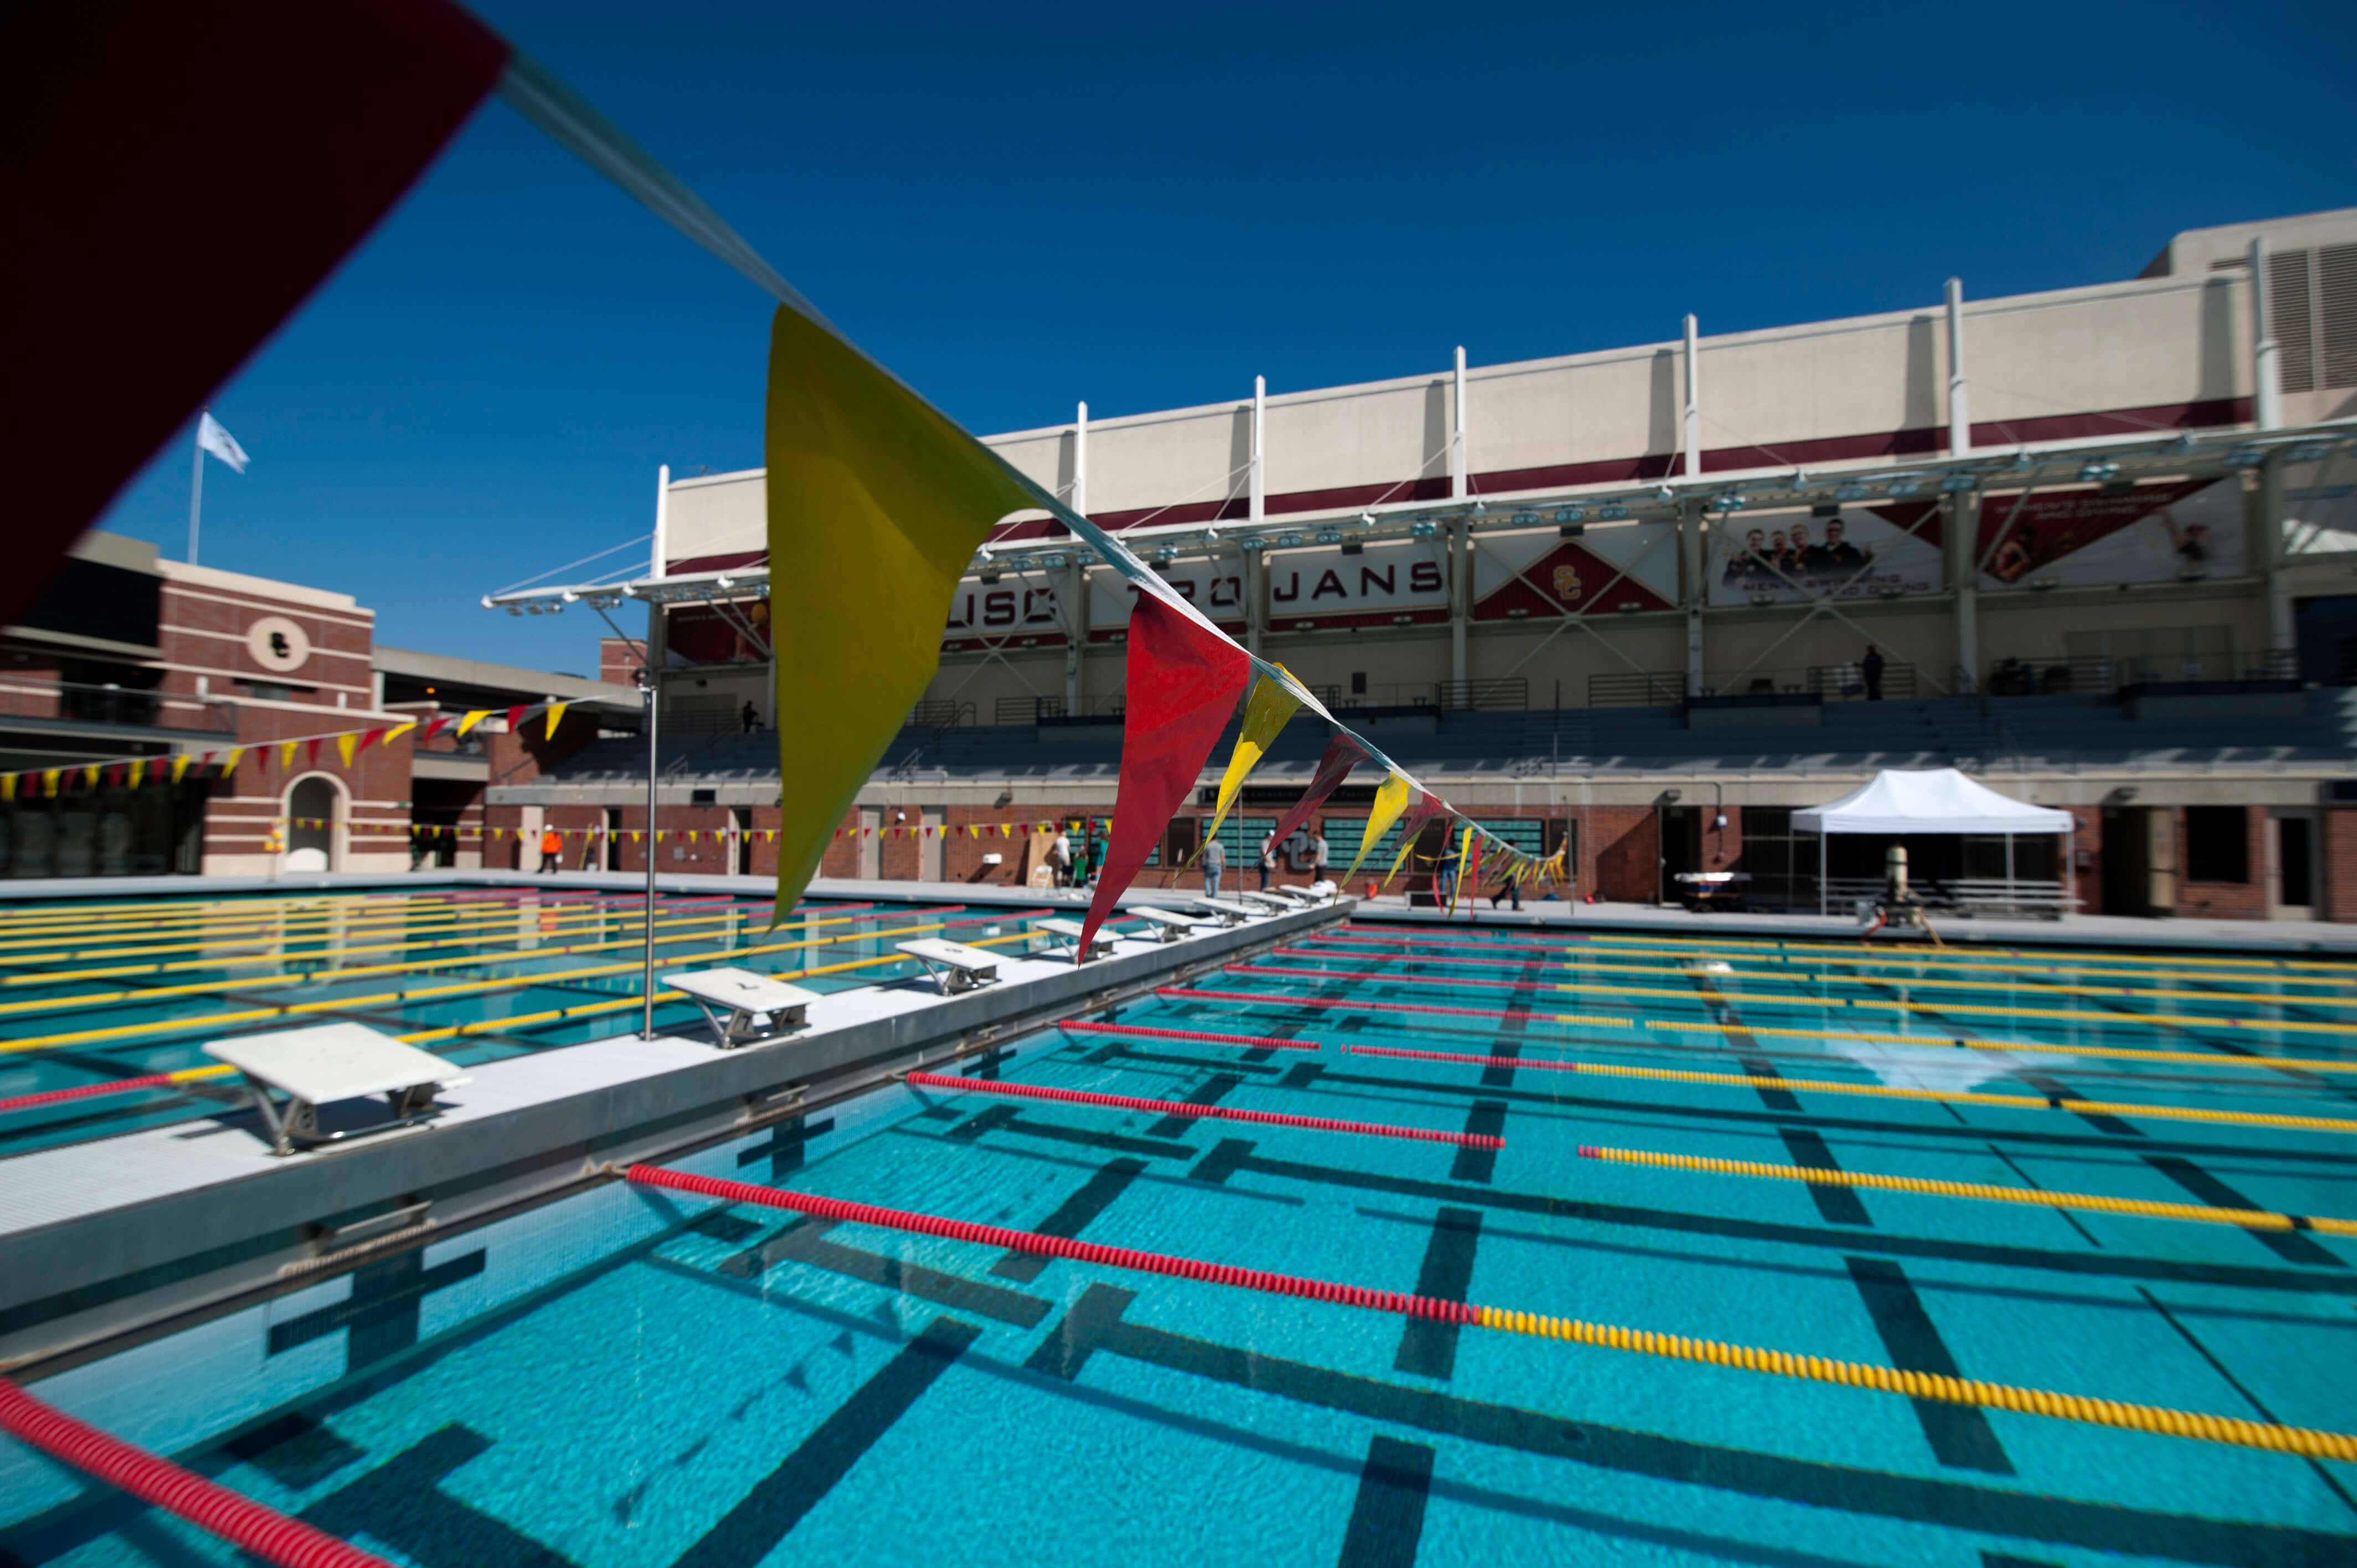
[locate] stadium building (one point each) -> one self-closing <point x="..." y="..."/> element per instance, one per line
<point x="2096" y="545"/>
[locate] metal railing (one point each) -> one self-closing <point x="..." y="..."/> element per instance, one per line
<point x="1511" y="691"/>
<point x="1634" y="688"/>
<point x="1055" y="710"/>
<point x="942" y="714"/>
<point x="31" y="697"/>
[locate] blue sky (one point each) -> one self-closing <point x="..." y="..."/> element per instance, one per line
<point x="1145" y="207"/>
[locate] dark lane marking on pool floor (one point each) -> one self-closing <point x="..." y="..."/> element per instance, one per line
<point x="784" y="1149"/>
<point x="402" y="1503"/>
<point x="1095" y="1326"/>
<point x="2290" y="1245"/>
<point x="804" y="1241"/>
<point x="1484" y="1118"/>
<point x="2054" y="1088"/>
<point x="1210" y="1091"/>
<point x="1010" y="1119"/>
<point x="381" y="1312"/>
<point x="1959" y="1436"/>
<point x="1072" y="1217"/>
<point x="1387" y="1517"/>
<point x="1835" y="1205"/>
<point x="1427" y="1346"/>
<point x="765" y="1516"/>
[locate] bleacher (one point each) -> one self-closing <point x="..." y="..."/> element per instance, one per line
<point x="1976" y="733"/>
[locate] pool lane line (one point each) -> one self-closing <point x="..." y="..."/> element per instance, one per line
<point x="1848" y="951"/>
<point x="1872" y="1090"/>
<point x="1254" y="1042"/>
<point x="298" y="919"/>
<point x="1978" y="962"/>
<point x="493" y="1026"/>
<point x="399" y="998"/>
<point x="2114" y="1413"/>
<point x="2035" y="1198"/>
<point x="215" y="1509"/>
<point x="1935" y="982"/>
<point x="463" y="917"/>
<point x="133" y="909"/>
<point x="2120" y="1015"/>
<point x="486" y="954"/>
<point x="1181" y="1108"/>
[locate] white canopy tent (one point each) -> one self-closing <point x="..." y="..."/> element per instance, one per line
<point x="1929" y="801"/>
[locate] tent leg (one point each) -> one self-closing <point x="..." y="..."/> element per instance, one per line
<point x="1821" y="873"/>
<point x="2009" y="895"/>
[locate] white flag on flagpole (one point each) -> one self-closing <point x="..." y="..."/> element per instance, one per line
<point x="213" y="438"/>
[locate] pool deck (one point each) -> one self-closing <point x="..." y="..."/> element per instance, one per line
<point x="101" y="1238"/>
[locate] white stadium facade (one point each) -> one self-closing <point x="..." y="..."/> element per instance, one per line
<point x="2100" y="542"/>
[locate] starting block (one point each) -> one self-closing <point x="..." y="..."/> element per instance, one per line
<point x="953" y="966"/>
<point x="1227" y="910"/>
<point x="1270" y="902"/>
<point x="743" y="1008"/>
<point x="1099" y="946"/>
<point x="330" y="1062"/>
<point x="1169" y="924"/>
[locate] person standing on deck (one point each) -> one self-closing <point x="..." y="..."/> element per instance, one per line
<point x="1318" y="854"/>
<point x="1215" y="861"/>
<point x="552" y="850"/>
<point x="1872" y="668"/>
<point x="1444" y="881"/>
<point x="1268" y="858"/>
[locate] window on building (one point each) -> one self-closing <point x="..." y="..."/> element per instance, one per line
<point x="1784" y="867"/>
<point x="1358" y="682"/>
<point x="2217" y="843"/>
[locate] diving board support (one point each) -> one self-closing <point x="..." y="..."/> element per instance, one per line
<point x="1228" y="911"/>
<point x="1072" y="932"/>
<point x="756" y="1008"/>
<point x="953" y="966"/>
<point x="326" y="1063"/>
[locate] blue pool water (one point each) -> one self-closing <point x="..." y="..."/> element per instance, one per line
<point x="96" y="992"/>
<point x="634" y="1377"/>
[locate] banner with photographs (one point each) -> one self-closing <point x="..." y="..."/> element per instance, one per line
<point x="1831" y="552"/>
<point x="2090" y="536"/>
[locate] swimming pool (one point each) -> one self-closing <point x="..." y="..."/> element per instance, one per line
<point x="634" y="1376"/>
<point x="113" y="993"/>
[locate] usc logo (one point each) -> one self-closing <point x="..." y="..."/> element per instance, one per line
<point x="1567" y="583"/>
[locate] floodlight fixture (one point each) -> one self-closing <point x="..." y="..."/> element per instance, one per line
<point x="1423" y="528"/>
<point x="1849" y="492"/>
<point x="1571" y="515"/>
<point x="1958" y="484"/>
<point x="1052" y="560"/>
<point x="2238" y="458"/>
<point x="1330" y="535"/>
<point x="1901" y="488"/>
<point x="2096" y="471"/>
<point x="1613" y="511"/>
<point x="2308" y="452"/>
<point x="1526" y="519"/>
<point x="1288" y="541"/>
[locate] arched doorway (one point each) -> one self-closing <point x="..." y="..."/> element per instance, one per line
<point x="314" y="810"/>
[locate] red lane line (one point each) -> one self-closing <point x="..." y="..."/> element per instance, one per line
<point x="1058" y="1246"/>
<point x="1174" y="1108"/>
<point x="1377" y="975"/>
<point x="1345" y="936"/>
<point x="87" y="1091"/>
<point x="1185" y="993"/>
<point x="1257" y="1042"/>
<point x="217" y="1511"/>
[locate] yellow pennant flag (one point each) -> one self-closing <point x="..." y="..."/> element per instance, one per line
<point x="135" y="773"/>
<point x="1390" y="803"/>
<point x="180" y="766"/>
<point x="396" y="732"/>
<point x="1464" y="854"/>
<point x="286" y="753"/>
<point x="556" y="711"/>
<point x="1265" y="712"/>
<point x="7" y="786"/>
<point x="50" y="778"/>
<point x="1407" y="845"/>
<point x="90" y="777"/>
<point x="471" y="720"/>
<point x="344" y="743"/>
<point x="881" y="502"/>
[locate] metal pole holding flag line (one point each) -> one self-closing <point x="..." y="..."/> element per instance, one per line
<point x="647" y="680"/>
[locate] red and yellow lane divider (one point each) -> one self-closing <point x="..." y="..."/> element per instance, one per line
<point x="478" y="955"/>
<point x="1804" y="1003"/>
<point x="1934" y="983"/>
<point x="1179" y="1108"/>
<point x="1847" y="953"/>
<point x="2301" y="1441"/>
<point x="1873" y="1090"/>
<point x="265" y="916"/>
<point x="139" y="911"/>
<point x="431" y="993"/>
<point x="217" y="1511"/>
<point x="2247" y="1219"/>
<point x="116" y="1086"/>
<point x="1256" y="1042"/>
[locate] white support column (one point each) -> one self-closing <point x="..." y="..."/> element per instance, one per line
<point x="663" y="521"/>
<point x="1457" y="469"/>
<point x="1258" y="508"/>
<point x="1690" y="557"/>
<point x="2266" y="391"/>
<point x="1460" y="597"/>
<point x="1694" y="402"/>
<point x="1962" y="521"/>
<point x="1076" y="581"/>
<point x="1255" y="576"/>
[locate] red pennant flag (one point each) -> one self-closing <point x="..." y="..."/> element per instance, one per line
<point x="1342" y="754"/>
<point x="1183" y="681"/>
<point x="312" y="746"/>
<point x="436" y="727"/>
<point x="515" y="716"/>
<point x="114" y="775"/>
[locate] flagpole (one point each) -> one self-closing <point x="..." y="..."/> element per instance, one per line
<point x="647" y="680"/>
<point x="195" y="487"/>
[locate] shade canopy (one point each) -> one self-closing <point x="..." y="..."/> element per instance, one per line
<point x="1929" y="800"/>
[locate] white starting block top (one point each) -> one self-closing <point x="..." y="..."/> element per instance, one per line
<point x="953" y="965"/>
<point x="1169" y="924"/>
<point x="735" y="1001"/>
<point x="1268" y="901"/>
<point x="1230" y="912"/>
<point x="1072" y="932"/>
<point x="328" y="1062"/>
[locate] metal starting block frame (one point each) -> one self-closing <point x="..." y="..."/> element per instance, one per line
<point x="1229" y="912"/>
<point x="953" y="966"/>
<point x="1170" y="924"/>
<point x="1270" y="903"/>
<point x="756" y="1008"/>
<point x="330" y="1062"/>
<point x="1070" y="930"/>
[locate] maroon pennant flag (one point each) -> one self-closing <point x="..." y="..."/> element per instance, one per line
<point x="1342" y="754"/>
